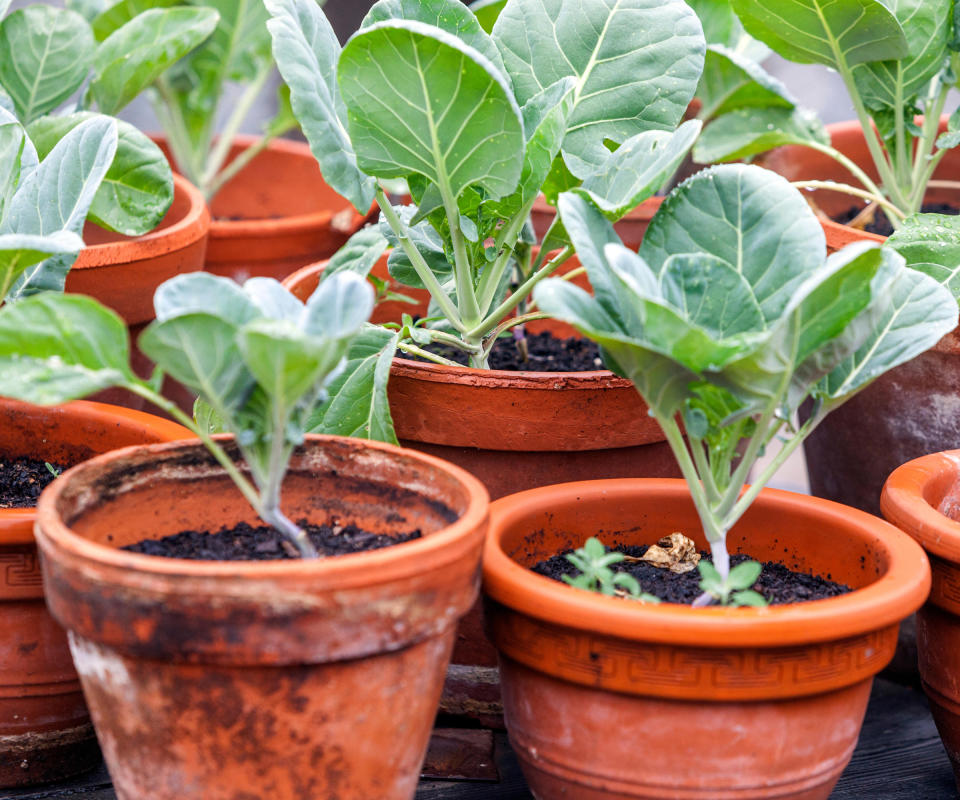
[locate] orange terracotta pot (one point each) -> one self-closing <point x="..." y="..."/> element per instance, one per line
<point x="606" y="698"/>
<point x="630" y="228"/>
<point x="911" y="500"/>
<point x="45" y="731"/>
<point x="281" y="680"/>
<point x="277" y="214"/>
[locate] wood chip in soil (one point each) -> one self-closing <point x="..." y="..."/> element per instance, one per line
<point x="264" y="543"/>
<point x="778" y="584"/>
<point x="22" y="480"/>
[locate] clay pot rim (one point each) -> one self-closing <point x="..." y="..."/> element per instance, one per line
<point x="899" y="591"/>
<point x="194" y="225"/>
<point x="288" y="225"/>
<point x="904" y="503"/>
<point x="16" y="524"/>
<point x="386" y="564"/>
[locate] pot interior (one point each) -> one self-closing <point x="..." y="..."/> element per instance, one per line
<point x="155" y="492"/>
<point x="818" y="537"/>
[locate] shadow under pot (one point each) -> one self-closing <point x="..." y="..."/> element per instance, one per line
<point x="212" y="680"/>
<point x="609" y="698"/>
<point x="45" y="730"/>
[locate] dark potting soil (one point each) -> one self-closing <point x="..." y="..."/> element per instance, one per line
<point x="22" y="480"/>
<point x="777" y="583"/>
<point x="545" y="353"/>
<point x="881" y="225"/>
<point x="264" y="543"/>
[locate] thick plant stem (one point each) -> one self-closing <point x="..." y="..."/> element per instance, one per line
<point x="297" y="535"/>
<point x="721" y="558"/>
<point x="895" y="214"/>
<point x="219" y="180"/>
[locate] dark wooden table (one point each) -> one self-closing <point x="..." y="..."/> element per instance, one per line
<point x="899" y="757"/>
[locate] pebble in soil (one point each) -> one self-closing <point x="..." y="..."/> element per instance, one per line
<point x="881" y="225"/>
<point x="546" y="353"/>
<point x="777" y="583"/>
<point x="245" y="542"/>
<point x="22" y="480"/>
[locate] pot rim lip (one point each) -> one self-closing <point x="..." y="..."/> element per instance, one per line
<point x="193" y="226"/>
<point x="892" y="597"/>
<point x="643" y="211"/>
<point x="903" y="503"/>
<point x="503" y="378"/>
<point x="285" y="225"/>
<point x="16" y="524"/>
<point x="384" y="563"/>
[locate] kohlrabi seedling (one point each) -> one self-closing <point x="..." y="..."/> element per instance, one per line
<point x="50" y="55"/>
<point x="258" y="358"/>
<point x="594" y="563"/>
<point x="43" y="204"/>
<point x="898" y="60"/>
<point x="478" y="124"/>
<point x="731" y="317"/>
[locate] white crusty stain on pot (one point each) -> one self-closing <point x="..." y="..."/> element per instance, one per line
<point x="95" y="663"/>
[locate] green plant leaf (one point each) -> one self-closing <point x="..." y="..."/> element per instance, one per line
<point x="748" y="597"/>
<point x="13" y="140"/>
<point x="749" y="217"/>
<point x="55" y="348"/>
<point x="88" y="9"/>
<point x="47" y="55"/>
<point x="306" y="50"/>
<point x="891" y="83"/>
<point x="744" y="574"/>
<point x="637" y="169"/>
<point x="825" y="31"/>
<point x="428" y="242"/>
<point x="636" y="64"/>
<point x="273" y="300"/>
<point x="359" y="254"/>
<point x="203" y="293"/>
<point x="135" y="55"/>
<point x="487" y="12"/>
<point x="950" y="138"/>
<point x="358" y="404"/>
<point x="420" y="101"/>
<point x="747" y="132"/>
<point x="339" y="308"/>
<point x="731" y="80"/>
<point x="930" y="243"/>
<point x="720" y="23"/>
<point x="108" y="19"/>
<point x="137" y="190"/>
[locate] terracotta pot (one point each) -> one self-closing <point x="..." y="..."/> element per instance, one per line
<point x="277" y="214"/>
<point x="45" y="731"/>
<point x="280" y="680"/>
<point x="911" y="499"/>
<point x="630" y="228"/>
<point x="606" y="698"/>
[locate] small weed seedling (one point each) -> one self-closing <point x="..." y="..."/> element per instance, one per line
<point x="594" y="563"/>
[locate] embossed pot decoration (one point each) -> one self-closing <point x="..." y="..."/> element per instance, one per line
<point x="45" y="731"/>
<point x="912" y="499"/>
<point x="282" y="680"/>
<point x="907" y="412"/>
<point x="276" y="215"/>
<point x="718" y="703"/>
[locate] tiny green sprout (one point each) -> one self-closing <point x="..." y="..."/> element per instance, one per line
<point x="736" y="589"/>
<point x="594" y="563"/>
<point x="52" y="469"/>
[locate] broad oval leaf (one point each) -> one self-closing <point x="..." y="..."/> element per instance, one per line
<point x="831" y="32"/>
<point x="930" y="243"/>
<point x="749" y="131"/>
<point x="273" y="299"/>
<point x="749" y="217"/>
<point x="487" y="12"/>
<point x="21" y="250"/>
<point x="421" y="101"/>
<point x="13" y="139"/>
<point x="359" y="254"/>
<point x="115" y="16"/>
<point x="47" y="55"/>
<point x="339" y="307"/>
<point x="636" y="63"/>
<point x="135" y="55"/>
<point x="731" y="80"/>
<point x="204" y="293"/>
<point x="137" y="190"/>
<point x="306" y="50"/>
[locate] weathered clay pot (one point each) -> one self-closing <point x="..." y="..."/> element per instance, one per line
<point x="630" y="228"/>
<point x="912" y="499"/>
<point x="281" y="680"/>
<point x="45" y="731"/>
<point x="606" y="698"/>
<point x="277" y="214"/>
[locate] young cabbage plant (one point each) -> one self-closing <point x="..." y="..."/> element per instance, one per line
<point x="43" y="204"/>
<point x="730" y="317"/>
<point x="898" y="60"/>
<point x="478" y="124"/>
<point x="258" y="359"/>
<point x="51" y="56"/>
<point x="594" y="563"/>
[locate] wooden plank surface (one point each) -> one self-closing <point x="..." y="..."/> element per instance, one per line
<point x="899" y="757"/>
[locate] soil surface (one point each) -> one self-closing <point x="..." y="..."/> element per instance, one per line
<point x="22" y="480"/>
<point x="881" y="225"/>
<point x="546" y="353"/>
<point x="264" y="543"/>
<point x="777" y="583"/>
